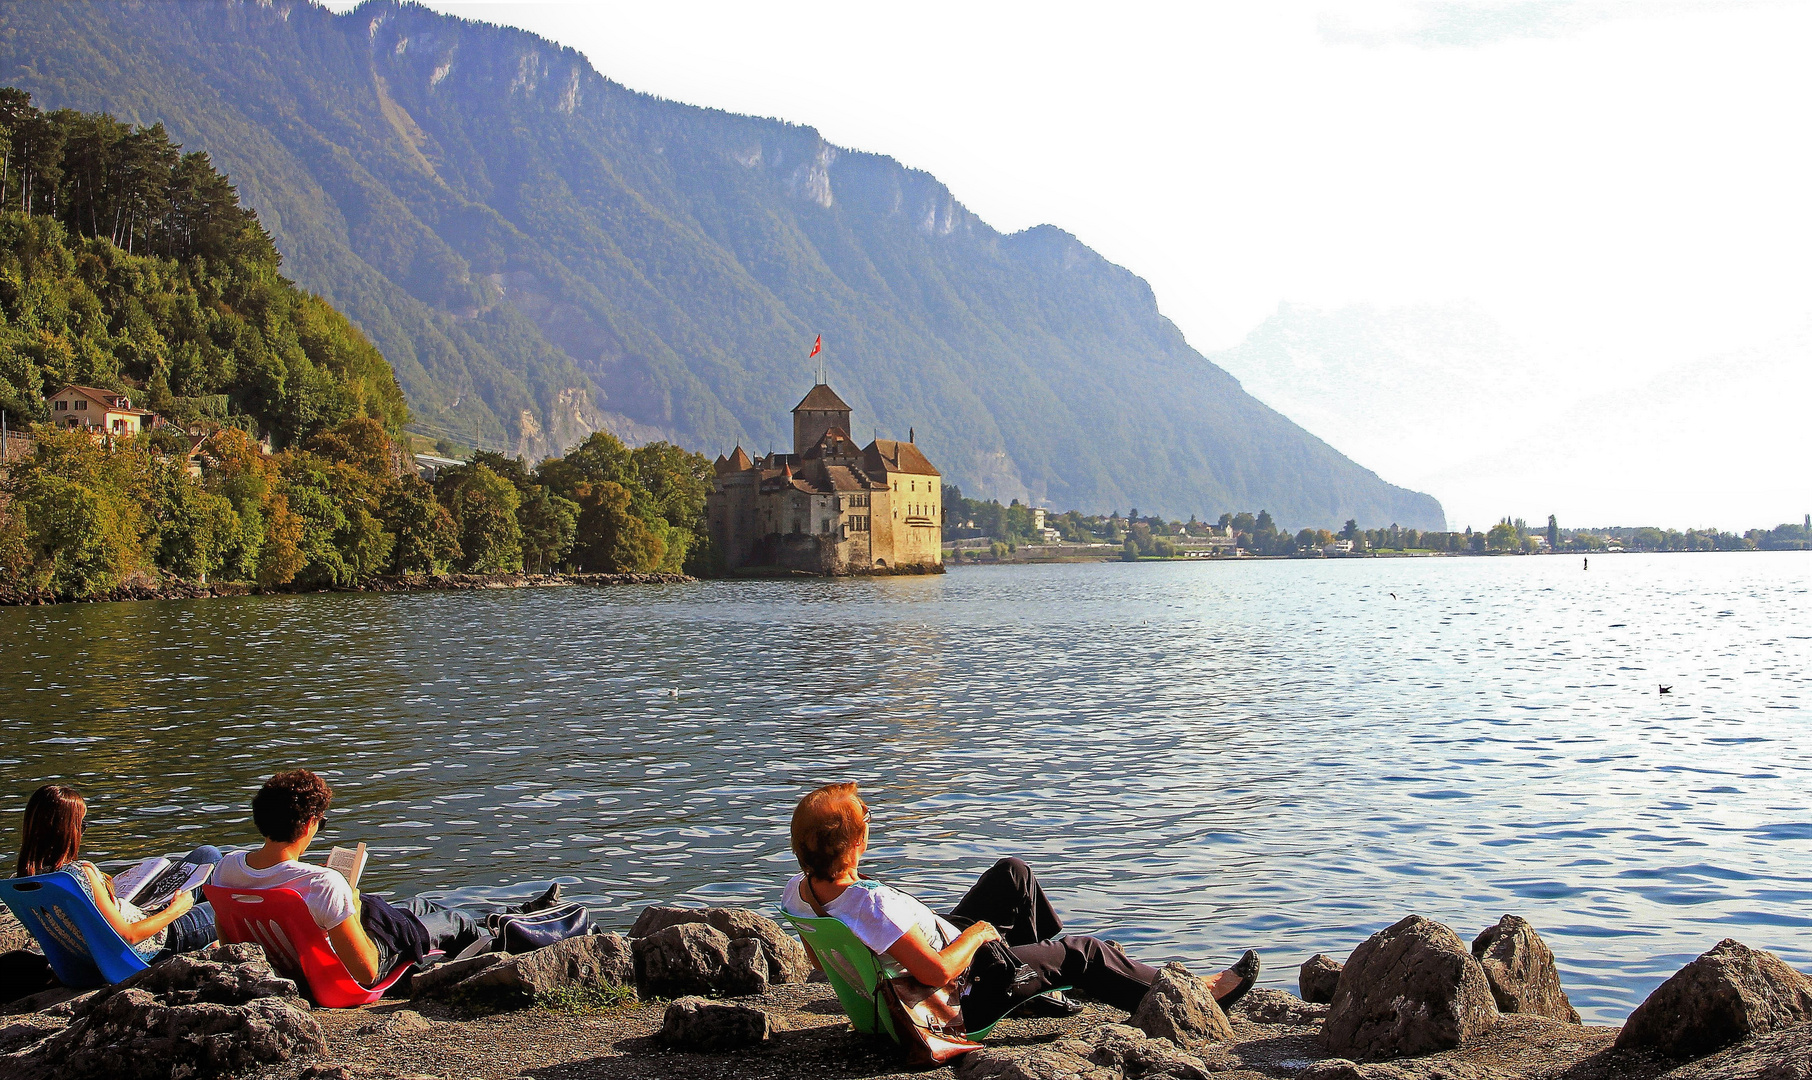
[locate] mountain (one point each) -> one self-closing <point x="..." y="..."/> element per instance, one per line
<point x="541" y="252"/>
<point x="1408" y="389"/>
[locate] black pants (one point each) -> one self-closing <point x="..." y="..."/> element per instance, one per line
<point x="1009" y="897"/>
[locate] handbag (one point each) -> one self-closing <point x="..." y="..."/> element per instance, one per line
<point x="927" y="1020"/>
<point x="520" y="933"/>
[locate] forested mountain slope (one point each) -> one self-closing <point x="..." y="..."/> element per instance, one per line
<point x="541" y="252"/>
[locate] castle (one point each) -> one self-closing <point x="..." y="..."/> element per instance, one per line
<point x="828" y="507"/>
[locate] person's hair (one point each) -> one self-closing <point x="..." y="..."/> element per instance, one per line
<point x="52" y="835"/>
<point x="827" y="826"/>
<point x="287" y="802"/>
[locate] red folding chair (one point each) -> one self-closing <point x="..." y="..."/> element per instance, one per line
<point x="278" y="920"/>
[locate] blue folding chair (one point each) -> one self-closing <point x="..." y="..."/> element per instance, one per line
<point x="82" y="947"/>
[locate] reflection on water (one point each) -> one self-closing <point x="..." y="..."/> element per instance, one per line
<point x="1198" y="758"/>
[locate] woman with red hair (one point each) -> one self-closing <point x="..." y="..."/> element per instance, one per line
<point x="830" y="835"/>
<point x="56" y="816"/>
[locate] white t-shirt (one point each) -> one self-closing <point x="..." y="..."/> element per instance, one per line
<point x="878" y="915"/>
<point x="325" y="891"/>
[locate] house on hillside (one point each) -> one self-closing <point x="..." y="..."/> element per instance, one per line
<point x="101" y="413"/>
<point x="828" y="507"/>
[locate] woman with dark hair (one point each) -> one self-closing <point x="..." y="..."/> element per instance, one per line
<point x="830" y="835"/>
<point x="51" y="842"/>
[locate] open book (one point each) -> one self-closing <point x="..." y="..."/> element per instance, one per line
<point x="152" y="884"/>
<point x="350" y="862"/>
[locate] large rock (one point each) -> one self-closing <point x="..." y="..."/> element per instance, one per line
<point x="1030" y="1063"/>
<point x="1726" y="995"/>
<point x="1130" y="1052"/>
<point x="1779" y="1055"/>
<point x="215" y="1013"/>
<point x="1179" y="1007"/>
<point x="439" y="980"/>
<point x="786" y="959"/>
<point x="1411" y="988"/>
<point x="1267" y="1006"/>
<point x="1319" y="976"/>
<point x="592" y="961"/>
<point x="693" y="1023"/>
<point x="13" y="934"/>
<point x="698" y="958"/>
<point x="1521" y="971"/>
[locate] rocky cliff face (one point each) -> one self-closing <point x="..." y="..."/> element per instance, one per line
<point x="541" y="252"/>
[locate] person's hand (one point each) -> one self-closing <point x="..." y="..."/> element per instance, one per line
<point x="985" y="931"/>
<point x="180" y="903"/>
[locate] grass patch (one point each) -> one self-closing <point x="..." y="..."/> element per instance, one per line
<point x="587" y="999"/>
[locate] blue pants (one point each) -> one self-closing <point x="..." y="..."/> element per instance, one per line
<point x="195" y="928"/>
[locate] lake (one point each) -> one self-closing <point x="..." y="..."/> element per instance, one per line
<point x="1197" y="757"/>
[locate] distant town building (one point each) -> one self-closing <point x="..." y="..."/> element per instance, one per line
<point x="99" y="412"/>
<point x="827" y="507"/>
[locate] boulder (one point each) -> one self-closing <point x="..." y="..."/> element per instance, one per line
<point x="1726" y="995"/>
<point x="1179" y="1007"/>
<point x="698" y="958"/>
<point x="1265" y="1006"/>
<point x="1319" y="975"/>
<point x="438" y="980"/>
<point x="787" y="960"/>
<point x="693" y="1023"/>
<point x="589" y="961"/>
<point x="1521" y="971"/>
<point x="13" y="934"/>
<point x="1778" y="1055"/>
<point x="1129" y="1052"/>
<point x="199" y="1015"/>
<point x="1030" y="1063"/>
<point x="1411" y="988"/>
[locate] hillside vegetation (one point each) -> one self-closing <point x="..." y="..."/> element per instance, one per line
<point x="128" y="265"/>
<point x="541" y="252"/>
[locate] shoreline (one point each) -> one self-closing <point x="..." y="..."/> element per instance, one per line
<point x="594" y="1012"/>
<point x="177" y="589"/>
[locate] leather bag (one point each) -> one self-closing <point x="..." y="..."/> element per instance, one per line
<point x="927" y="1020"/>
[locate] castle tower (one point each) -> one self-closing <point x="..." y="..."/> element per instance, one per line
<point x="817" y="413"/>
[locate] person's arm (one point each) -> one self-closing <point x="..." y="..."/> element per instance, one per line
<point x="133" y="932"/>
<point x="935" y="968"/>
<point x="354" y="948"/>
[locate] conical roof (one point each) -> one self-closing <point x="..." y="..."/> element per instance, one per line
<point x="822" y="398"/>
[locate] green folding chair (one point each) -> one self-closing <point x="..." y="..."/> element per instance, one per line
<point x="854" y="972"/>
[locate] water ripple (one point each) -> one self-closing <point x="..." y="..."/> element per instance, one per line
<point x="1197" y="757"/>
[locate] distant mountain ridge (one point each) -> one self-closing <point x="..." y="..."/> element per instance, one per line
<point x="541" y="252"/>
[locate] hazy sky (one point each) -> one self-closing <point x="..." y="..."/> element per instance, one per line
<point x="1621" y="187"/>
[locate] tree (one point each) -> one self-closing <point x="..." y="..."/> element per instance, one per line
<point x="197" y="529"/>
<point x="427" y="539"/>
<point x="550" y="524"/>
<point x="611" y="539"/>
<point x="483" y="506"/>
<point x="1553" y="534"/>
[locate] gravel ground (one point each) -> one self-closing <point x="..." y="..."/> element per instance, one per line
<point x="398" y="1040"/>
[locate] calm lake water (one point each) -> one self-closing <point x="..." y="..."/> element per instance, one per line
<point x="1197" y="757"/>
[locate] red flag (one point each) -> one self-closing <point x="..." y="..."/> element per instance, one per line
<point x="816" y="345"/>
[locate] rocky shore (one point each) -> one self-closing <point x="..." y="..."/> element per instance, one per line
<point x="707" y="993"/>
<point x="148" y="587"/>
